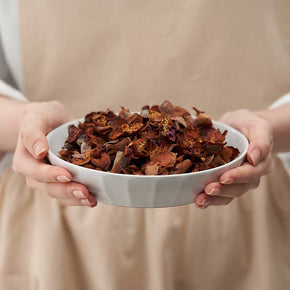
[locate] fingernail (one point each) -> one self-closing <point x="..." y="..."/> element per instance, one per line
<point x="227" y="181"/>
<point x="63" y="178"/>
<point x="88" y="201"/>
<point x="85" y="202"/>
<point x="39" y="148"/>
<point x="78" y="194"/>
<point x="94" y="205"/>
<point x="201" y="203"/>
<point x="214" y="191"/>
<point x="91" y="199"/>
<point x="206" y="204"/>
<point x="255" y="156"/>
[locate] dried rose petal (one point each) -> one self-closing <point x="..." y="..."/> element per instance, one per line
<point x="112" y="147"/>
<point x="161" y="140"/>
<point x="201" y="120"/>
<point x="103" y="162"/>
<point x="73" y="133"/>
<point x="152" y="169"/>
<point x="182" y="167"/>
<point x="145" y="111"/>
<point x="124" y="113"/>
<point x="83" y="142"/>
<point x="166" y="159"/>
<point x="131" y="128"/>
<point x="120" y="162"/>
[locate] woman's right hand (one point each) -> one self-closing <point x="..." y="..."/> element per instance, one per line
<point x="32" y="148"/>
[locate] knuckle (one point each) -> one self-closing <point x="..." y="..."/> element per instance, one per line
<point x="56" y="104"/>
<point x="267" y="148"/>
<point x="27" y="132"/>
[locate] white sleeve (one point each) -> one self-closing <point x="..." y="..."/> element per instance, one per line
<point x="285" y="156"/>
<point x="8" y="91"/>
<point x="12" y="93"/>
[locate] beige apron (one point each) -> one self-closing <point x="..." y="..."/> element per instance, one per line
<point x="91" y="55"/>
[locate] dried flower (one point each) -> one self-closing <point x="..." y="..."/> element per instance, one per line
<point x="161" y="140"/>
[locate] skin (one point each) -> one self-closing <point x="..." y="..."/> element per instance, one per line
<point x="267" y="132"/>
<point x="30" y="123"/>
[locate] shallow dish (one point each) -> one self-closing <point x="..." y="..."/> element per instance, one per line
<point x="144" y="190"/>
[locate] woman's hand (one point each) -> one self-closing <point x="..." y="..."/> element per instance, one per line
<point x="235" y="182"/>
<point x="32" y="148"/>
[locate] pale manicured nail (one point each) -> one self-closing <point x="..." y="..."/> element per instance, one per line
<point x="227" y="181"/>
<point x="85" y="202"/>
<point x="63" y="178"/>
<point x="205" y="205"/>
<point x="214" y="191"/>
<point x="255" y="156"/>
<point x="39" y="148"/>
<point x="78" y="194"/>
<point x="201" y="203"/>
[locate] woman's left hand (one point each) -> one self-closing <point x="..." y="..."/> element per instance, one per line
<point x="235" y="182"/>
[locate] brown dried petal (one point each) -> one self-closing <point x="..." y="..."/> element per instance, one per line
<point x="154" y="134"/>
<point x="124" y="113"/>
<point x="116" y="145"/>
<point x="145" y="111"/>
<point x="140" y="147"/>
<point x="73" y="133"/>
<point x="166" y="159"/>
<point x="201" y="120"/>
<point x="152" y="169"/>
<point x="80" y="159"/>
<point x="154" y="116"/>
<point x="104" y="162"/>
<point x="175" y="111"/>
<point x="131" y="128"/>
<point x="116" y="134"/>
<point x="134" y="118"/>
<point x="82" y="141"/>
<point x="120" y="162"/>
<point x="102" y="130"/>
<point x="182" y="167"/>
<point x="217" y="137"/>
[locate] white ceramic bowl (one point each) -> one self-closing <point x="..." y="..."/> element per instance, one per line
<point x="144" y="190"/>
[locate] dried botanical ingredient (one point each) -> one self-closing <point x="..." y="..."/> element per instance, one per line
<point x="161" y="140"/>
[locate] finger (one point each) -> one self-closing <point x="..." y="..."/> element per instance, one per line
<point x="58" y="190"/>
<point x="76" y="202"/>
<point x="24" y="164"/>
<point x="203" y="200"/>
<point x="261" y="141"/>
<point x="39" y="120"/>
<point x="33" y="131"/>
<point x="233" y="190"/>
<point x="246" y="173"/>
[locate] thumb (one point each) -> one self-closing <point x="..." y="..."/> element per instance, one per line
<point x="40" y="119"/>
<point x="260" y="141"/>
<point x="33" y="135"/>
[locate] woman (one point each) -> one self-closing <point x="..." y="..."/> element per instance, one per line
<point x="89" y="56"/>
